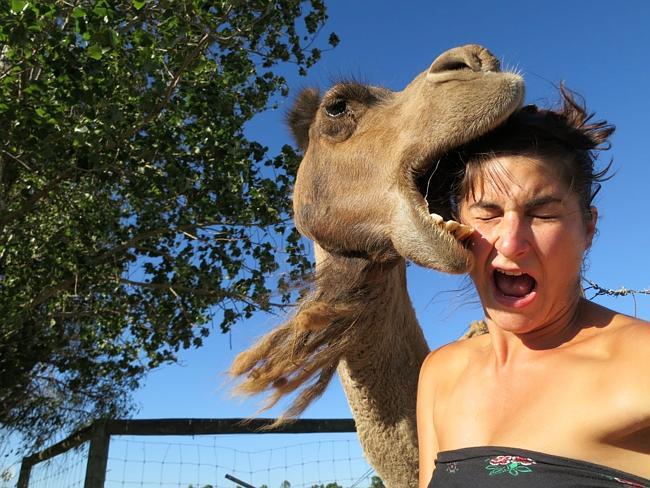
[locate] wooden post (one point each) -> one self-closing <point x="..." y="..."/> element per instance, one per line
<point x="97" y="457"/>
<point x="25" y="471"/>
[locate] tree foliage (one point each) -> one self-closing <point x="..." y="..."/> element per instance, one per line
<point x="132" y="204"/>
<point x="376" y="482"/>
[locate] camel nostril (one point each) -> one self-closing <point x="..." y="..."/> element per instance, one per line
<point x="449" y="64"/>
<point x="455" y="66"/>
<point x="472" y="57"/>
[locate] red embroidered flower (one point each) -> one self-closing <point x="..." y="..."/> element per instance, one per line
<point x="505" y="460"/>
<point x="513" y="465"/>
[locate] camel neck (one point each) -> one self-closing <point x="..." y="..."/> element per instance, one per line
<point x="384" y="328"/>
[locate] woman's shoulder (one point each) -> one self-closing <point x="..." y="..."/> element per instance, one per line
<point x="616" y="328"/>
<point x="629" y="368"/>
<point x="631" y="339"/>
<point x="625" y="344"/>
<point x="449" y="360"/>
<point x="625" y="333"/>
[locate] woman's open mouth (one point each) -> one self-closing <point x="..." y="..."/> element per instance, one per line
<point x="514" y="288"/>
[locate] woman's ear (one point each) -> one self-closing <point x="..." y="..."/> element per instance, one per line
<point x="591" y="225"/>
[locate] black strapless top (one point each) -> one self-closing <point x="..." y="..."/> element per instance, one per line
<point x="504" y="467"/>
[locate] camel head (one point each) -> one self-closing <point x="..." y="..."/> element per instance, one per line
<point x="366" y="189"/>
<point x="370" y="184"/>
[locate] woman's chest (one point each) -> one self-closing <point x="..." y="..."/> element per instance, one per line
<point x="578" y="406"/>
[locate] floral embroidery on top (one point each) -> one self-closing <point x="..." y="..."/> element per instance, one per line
<point x="452" y="468"/>
<point x="513" y="465"/>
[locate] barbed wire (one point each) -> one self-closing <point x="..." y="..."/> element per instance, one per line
<point x="622" y="291"/>
<point x="619" y="292"/>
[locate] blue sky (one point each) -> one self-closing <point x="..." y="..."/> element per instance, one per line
<point x="600" y="49"/>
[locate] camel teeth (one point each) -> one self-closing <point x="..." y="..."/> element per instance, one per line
<point x="451" y="225"/>
<point x="458" y="230"/>
<point x="463" y="232"/>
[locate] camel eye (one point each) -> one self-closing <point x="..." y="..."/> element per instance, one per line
<point x="336" y="109"/>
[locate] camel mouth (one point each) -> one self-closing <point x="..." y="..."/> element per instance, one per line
<point x="436" y="187"/>
<point x="437" y="176"/>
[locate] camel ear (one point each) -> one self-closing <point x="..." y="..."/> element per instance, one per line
<point x="302" y="114"/>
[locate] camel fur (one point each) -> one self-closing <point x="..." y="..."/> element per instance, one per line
<point x="370" y="158"/>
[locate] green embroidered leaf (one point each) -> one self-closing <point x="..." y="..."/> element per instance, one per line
<point x="494" y="470"/>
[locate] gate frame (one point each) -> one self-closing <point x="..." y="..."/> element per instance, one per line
<point x="99" y="435"/>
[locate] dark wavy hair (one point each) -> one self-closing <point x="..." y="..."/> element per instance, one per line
<point x="567" y="136"/>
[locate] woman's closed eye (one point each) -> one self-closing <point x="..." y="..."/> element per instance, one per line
<point x="544" y="216"/>
<point x="487" y="216"/>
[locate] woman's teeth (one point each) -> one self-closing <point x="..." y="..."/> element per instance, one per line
<point x="510" y="273"/>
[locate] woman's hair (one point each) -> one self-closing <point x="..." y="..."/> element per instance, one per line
<point x="566" y="136"/>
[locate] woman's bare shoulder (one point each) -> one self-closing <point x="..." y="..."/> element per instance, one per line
<point x="619" y="330"/>
<point x="630" y="365"/>
<point x="632" y="336"/>
<point x="450" y="359"/>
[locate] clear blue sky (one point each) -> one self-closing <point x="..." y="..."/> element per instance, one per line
<point x="599" y="48"/>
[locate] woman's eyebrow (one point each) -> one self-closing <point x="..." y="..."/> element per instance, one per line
<point x="542" y="201"/>
<point x="533" y="203"/>
<point x="485" y="205"/>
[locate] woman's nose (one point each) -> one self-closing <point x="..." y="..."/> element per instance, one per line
<point x="512" y="236"/>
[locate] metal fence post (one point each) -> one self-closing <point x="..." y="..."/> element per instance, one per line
<point x="97" y="457"/>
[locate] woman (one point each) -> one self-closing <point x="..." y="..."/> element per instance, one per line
<point x="561" y="382"/>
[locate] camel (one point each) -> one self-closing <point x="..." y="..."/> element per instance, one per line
<point x="370" y="195"/>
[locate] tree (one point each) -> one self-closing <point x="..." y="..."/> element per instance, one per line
<point x="376" y="482"/>
<point x="131" y="201"/>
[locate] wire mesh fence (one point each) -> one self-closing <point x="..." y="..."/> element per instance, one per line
<point x="203" y="453"/>
<point x="176" y="462"/>
<point x="66" y="470"/>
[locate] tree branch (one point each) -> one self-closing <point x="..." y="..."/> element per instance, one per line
<point x="206" y="292"/>
<point x="35" y="198"/>
<point x="170" y="89"/>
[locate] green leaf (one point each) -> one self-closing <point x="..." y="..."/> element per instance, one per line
<point x="100" y="11"/>
<point x="138" y="4"/>
<point x="95" y="51"/>
<point x="17" y="6"/>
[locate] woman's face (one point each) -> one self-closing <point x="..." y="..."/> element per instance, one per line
<point x="529" y="242"/>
